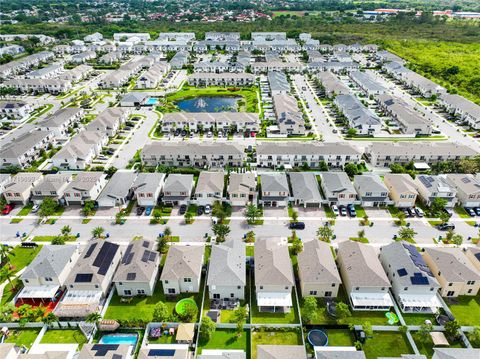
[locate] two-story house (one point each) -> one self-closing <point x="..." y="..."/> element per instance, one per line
<point x="431" y="187"/>
<point x="338" y="189"/>
<point x="19" y="188"/>
<point x="371" y="190"/>
<point x="147" y="188"/>
<point x="209" y="187"/>
<point x="242" y="188"/>
<point x="85" y="186"/>
<point x="274" y="189"/>
<point x="402" y="189"/>
<point x="178" y="189"/>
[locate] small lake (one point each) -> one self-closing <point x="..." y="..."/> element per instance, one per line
<point x="209" y="104"/>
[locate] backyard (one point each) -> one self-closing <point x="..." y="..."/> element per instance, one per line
<point x="392" y="343"/>
<point x="65" y="336"/>
<point x="466" y="310"/>
<point x="225" y="339"/>
<point x="274" y="338"/>
<point x="22" y="337"/>
<point x="426" y="347"/>
<point x="274" y="318"/>
<point x="20" y="257"/>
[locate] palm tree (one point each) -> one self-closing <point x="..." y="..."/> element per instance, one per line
<point x="252" y="213"/>
<point x="97" y="232"/>
<point x="66" y="230"/>
<point x="49" y="319"/>
<point x="325" y="233"/>
<point x="167" y="232"/>
<point x="93" y="318"/>
<point x="221" y="231"/>
<point x="5" y="254"/>
<point x="8" y="274"/>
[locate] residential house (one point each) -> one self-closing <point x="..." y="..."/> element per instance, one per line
<point x="14" y="111"/>
<point x="118" y="190"/>
<point x="133" y="99"/>
<point x="182" y="270"/>
<point x="179" y="60"/>
<point x="281" y="352"/>
<point x="173" y="351"/>
<point x="467" y="187"/>
<point x="227" y="271"/>
<point x="368" y="83"/>
<point x="359" y="117"/>
<point x="147" y="188"/>
<point x="371" y="190"/>
<point x="413" y="284"/>
<point x="431" y="187"/>
<point x="51" y="186"/>
<point x="151" y="78"/>
<point x="46" y="72"/>
<point x="85" y="186"/>
<point x="210" y="186"/>
<point x="461" y="107"/>
<point x="60" y="122"/>
<point x="221" y="79"/>
<point x="332" y="85"/>
<point x="317" y="271"/>
<point x="338" y="188"/>
<point x="278" y="83"/>
<point x="330" y="352"/>
<point x="178" y="189"/>
<point x="242" y="188"/>
<point x="305" y="190"/>
<point x="19" y="188"/>
<point x="289" y="117"/>
<point x="138" y="270"/>
<point x="274" y="279"/>
<point x="53" y="86"/>
<point x="313" y="154"/>
<point x="402" y="189"/>
<point x="383" y="154"/>
<point x="276" y="65"/>
<point x="363" y="277"/>
<point x="4" y="179"/>
<point x="275" y="191"/>
<point x="222" y="354"/>
<point x="473" y="254"/>
<point x="453" y="270"/>
<point x="44" y="278"/>
<point x="106" y="351"/>
<point x="453" y="353"/>
<point x="109" y="121"/>
<point x="25" y="149"/>
<point x="90" y="280"/>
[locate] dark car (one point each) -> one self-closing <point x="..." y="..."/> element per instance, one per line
<point x="200" y="210"/>
<point x="477" y="210"/>
<point x="296" y="225"/>
<point x="470" y="211"/>
<point x="411" y="212"/>
<point x="183" y="209"/>
<point x="140" y="210"/>
<point x="445" y="226"/>
<point x="177" y="132"/>
<point x="351" y="211"/>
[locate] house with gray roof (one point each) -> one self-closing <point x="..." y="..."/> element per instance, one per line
<point x="90" y="279"/>
<point x="147" y="188"/>
<point x="329" y="352"/>
<point x="454" y="271"/>
<point x="274" y="279"/>
<point x="242" y="188"/>
<point x="455" y="353"/>
<point x="281" y="352"/>
<point x="182" y="270"/>
<point x="359" y="117"/>
<point x="14" y="111"/>
<point x="179" y="60"/>
<point x="332" y="85"/>
<point x="178" y="189"/>
<point x="210" y="186"/>
<point x="305" y="190"/>
<point x="467" y="187"/>
<point x="363" y="277"/>
<point x="317" y="271"/>
<point x="109" y="120"/>
<point x="275" y="191"/>
<point x="289" y="117"/>
<point x="402" y="189"/>
<point x="46" y="275"/>
<point x="202" y="79"/>
<point x="431" y="187"/>
<point x="413" y="283"/>
<point x="278" y="82"/>
<point x="23" y="150"/>
<point x="85" y="186"/>
<point x="138" y="270"/>
<point x="133" y="99"/>
<point x="222" y="354"/>
<point x="227" y="271"/>
<point x="106" y="351"/>
<point x="4" y="179"/>
<point x="118" y="190"/>
<point x="19" y="188"/>
<point x="338" y="188"/>
<point x="473" y="254"/>
<point x="367" y="82"/>
<point x="60" y="121"/>
<point x="371" y="190"/>
<point x="461" y="107"/>
<point x="51" y="186"/>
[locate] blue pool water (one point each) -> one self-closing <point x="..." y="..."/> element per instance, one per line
<point x="130" y="339"/>
<point x="209" y="104"/>
<point x="151" y="101"/>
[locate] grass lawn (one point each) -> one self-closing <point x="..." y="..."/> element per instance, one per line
<point x="64" y="336"/>
<point x="467" y="311"/>
<point x="22" y="337"/>
<point x="50" y="238"/>
<point x="25" y="210"/>
<point x="274" y="318"/>
<point x="225" y="339"/>
<point x="22" y="257"/>
<point x="274" y="338"/>
<point x="358" y="239"/>
<point x="461" y="212"/>
<point x="328" y="212"/>
<point x="360" y="211"/>
<point x="340" y="338"/>
<point x="16" y="220"/>
<point x="426" y="348"/>
<point x="164" y="339"/>
<point x="86" y="220"/>
<point x="418" y="319"/>
<point x="250" y="251"/>
<point x="8" y="293"/>
<point x="142" y="308"/>
<point x="386" y="343"/>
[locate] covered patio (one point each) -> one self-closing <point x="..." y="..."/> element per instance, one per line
<point x="47" y="296"/>
<point x="418" y="303"/>
<point x="78" y="304"/>
<point x="274" y="302"/>
<point x="371" y="301"/>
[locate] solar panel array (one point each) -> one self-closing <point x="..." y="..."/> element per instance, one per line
<point x="146" y="244"/>
<point x="161" y="352"/>
<point x="90" y="250"/>
<point x="419" y="279"/>
<point x="402" y="272"/>
<point x="148" y="256"/>
<point x="131" y="276"/>
<point x="105" y="257"/>
<point x="427" y="181"/>
<point x="417" y="259"/>
<point x="102" y="349"/>
<point x="83" y="278"/>
<point x="127" y="258"/>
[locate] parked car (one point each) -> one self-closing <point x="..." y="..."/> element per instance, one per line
<point x="140" y="210"/>
<point x="470" y="211"/>
<point x="208" y="209"/>
<point x="445" y="226"/>
<point x="335" y="210"/>
<point x="7" y="209"/>
<point x="411" y="212"/>
<point x="419" y="212"/>
<point x="343" y="211"/>
<point x="296" y="225"/>
<point x="200" y="210"/>
<point x="148" y="211"/>
<point x="448" y="211"/>
<point x="406" y="212"/>
<point x="477" y="211"/>
<point x="183" y="209"/>
<point x="36" y="207"/>
<point x="351" y="210"/>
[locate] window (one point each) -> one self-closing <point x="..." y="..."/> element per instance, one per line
<point x="141" y="291"/>
<point x="171" y="290"/>
<point x="450" y="293"/>
<point x="261" y="287"/>
<point x="48" y="279"/>
<point x="216" y="296"/>
<point x="357" y="288"/>
<point x="313" y="292"/>
<point x="333" y="284"/>
<point x="187" y="280"/>
<point x="127" y="292"/>
<point x="239" y="287"/>
<point x="450" y="284"/>
<point x="471" y="282"/>
<point x="165" y="281"/>
<point x="232" y="295"/>
<point x="406" y="288"/>
<point x="328" y="294"/>
<point x="286" y="288"/>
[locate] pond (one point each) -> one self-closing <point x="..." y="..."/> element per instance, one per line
<point x="209" y="104"/>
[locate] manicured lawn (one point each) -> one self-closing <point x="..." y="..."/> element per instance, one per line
<point x="358" y="239"/>
<point x="274" y="318"/>
<point x="360" y="211"/>
<point x="467" y="311"/>
<point x="340" y="338"/>
<point x="274" y="338"/>
<point x="164" y="339"/>
<point x="394" y="211"/>
<point x="225" y="339"/>
<point x="461" y="212"/>
<point x="250" y="251"/>
<point x="8" y="293"/>
<point x="418" y="319"/>
<point x="22" y="257"/>
<point x="64" y="336"/>
<point x="22" y="337"/>
<point x="391" y="344"/>
<point x="25" y="210"/>
<point x="426" y="348"/>
<point x="50" y="238"/>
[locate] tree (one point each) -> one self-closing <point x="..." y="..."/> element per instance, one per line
<point x="162" y="244"/>
<point x="49" y="319"/>
<point x="221" y="210"/>
<point x="294" y="215"/>
<point x="297" y="246"/>
<point x="110" y="171"/>
<point x="406" y="234"/>
<point x="310" y="310"/>
<point x="5" y="254"/>
<point x="325" y="233"/>
<point x="190" y="312"/>
<point x="437" y="206"/>
<point x="444" y="217"/>
<point x="8" y="273"/>
<point x="361" y="234"/>
<point x="400" y="219"/>
<point x="240" y="316"/>
<point x="453" y="238"/>
<point x="58" y="241"/>
<point x="367" y="328"/>
<point x="93" y="318"/>
<point x="188" y="217"/>
<point x="451" y="329"/>
<point x="97" y="232"/>
<point x="88" y="208"/>
<point x="474" y="336"/>
<point x="221" y="231"/>
<point x="250" y="237"/>
<point x="167" y="232"/>
<point x="252" y="213"/>
<point x="424" y="332"/>
<point x="351" y="132"/>
<point x="66" y="230"/>
<point x="119" y="217"/>
<point x="351" y="169"/>
<point x="47" y="207"/>
<point x="343" y="311"/>
<point x="161" y="312"/>
<point x="207" y="328"/>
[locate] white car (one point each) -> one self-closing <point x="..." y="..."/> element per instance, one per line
<point x="35" y="208"/>
<point x="335" y="210"/>
<point x="208" y="209"/>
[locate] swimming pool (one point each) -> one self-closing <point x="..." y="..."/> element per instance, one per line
<point x="151" y="101"/>
<point x="130" y="339"/>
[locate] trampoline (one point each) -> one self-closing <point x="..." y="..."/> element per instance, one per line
<point x="317" y="338"/>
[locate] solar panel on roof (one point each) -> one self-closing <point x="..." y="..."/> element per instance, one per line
<point x="131" y="276"/>
<point x="152" y="256"/>
<point x="402" y="272"/>
<point x="145" y="244"/>
<point x="419" y="280"/>
<point x="90" y="250"/>
<point x="102" y="349"/>
<point x="477" y="255"/>
<point x="127" y="258"/>
<point x="161" y="352"/>
<point x="105" y="257"/>
<point x="83" y="278"/>
<point x="425" y="182"/>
